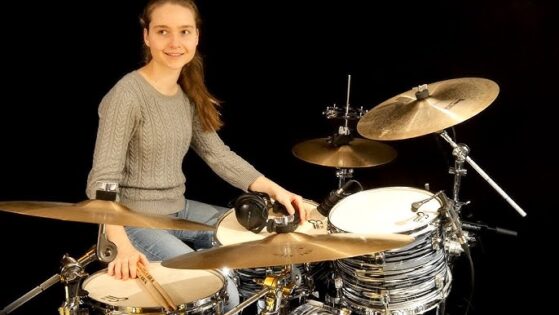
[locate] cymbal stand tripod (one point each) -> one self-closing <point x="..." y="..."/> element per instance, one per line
<point x="276" y="286"/>
<point x="71" y="273"/>
<point x="105" y="251"/>
<point x="460" y="152"/>
<point x="343" y="135"/>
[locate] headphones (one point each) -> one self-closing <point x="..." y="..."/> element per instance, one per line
<point x="251" y="210"/>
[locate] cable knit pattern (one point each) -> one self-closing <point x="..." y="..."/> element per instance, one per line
<point x="142" y="139"/>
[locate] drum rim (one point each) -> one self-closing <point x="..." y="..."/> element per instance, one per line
<point x="201" y="304"/>
<point x="419" y="228"/>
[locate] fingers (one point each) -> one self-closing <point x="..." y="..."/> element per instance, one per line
<point x="125" y="270"/>
<point x="111" y="268"/>
<point x="120" y="269"/>
<point x="300" y="205"/>
<point x="295" y="203"/>
<point x="289" y="207"/>
<point x="127" y="267"/>
<point x="142" y="259"/>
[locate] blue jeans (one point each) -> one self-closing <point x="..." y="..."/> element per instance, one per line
<point x="159" y="245"/>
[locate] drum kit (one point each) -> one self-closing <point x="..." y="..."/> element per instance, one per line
<point x="382" y="251"/>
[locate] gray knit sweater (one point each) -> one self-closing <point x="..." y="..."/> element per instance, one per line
<point x="142" y="139"/>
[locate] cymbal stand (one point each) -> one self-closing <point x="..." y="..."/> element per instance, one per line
<point x="276" y="286"/>
<point x="248" y="301"/>
<point x="344" y="130"/>
<point x="451" y="212"/>
<point x="343" y="174"/>
<point x="343" y="136"/>
<point x="460" y="152"/>
<point x="349" y="112"/>
<point x="71" y="274"/>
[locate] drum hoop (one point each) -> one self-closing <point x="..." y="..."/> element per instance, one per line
<point x="201" y="304"/>
<point x="429" y="225"/>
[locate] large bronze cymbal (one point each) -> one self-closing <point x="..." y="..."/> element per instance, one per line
<point x="287" y="249"/>
<point x="99" y="211"/>
<point x="415" y="113"/>
<point x="357" y="153"/>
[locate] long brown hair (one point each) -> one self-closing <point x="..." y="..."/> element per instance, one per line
<point x="191" y="78"/>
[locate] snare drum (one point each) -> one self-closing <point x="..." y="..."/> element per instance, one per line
<point x="192" y="291"/>
<point x="408" y="280"/>
<point x="230" y="232"/>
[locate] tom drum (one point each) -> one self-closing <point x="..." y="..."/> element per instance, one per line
<point x="229" y="232"/>
<point x="408" y="280"/>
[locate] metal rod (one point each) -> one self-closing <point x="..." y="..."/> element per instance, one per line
<point x="484" y="175"/>
<point x="248" y="301"/>
<point x="31" y="294"/>
<point x="347" y="100"/>
<point x="343" y="174"/>
<point x="87" y="258"/>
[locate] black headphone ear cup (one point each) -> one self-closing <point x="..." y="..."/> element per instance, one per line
<point x="271" y="225"/>
<point x="251" y="212"/>
<point x="290" y="227"/>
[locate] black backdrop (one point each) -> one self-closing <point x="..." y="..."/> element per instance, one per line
<point x="277" y="66"/>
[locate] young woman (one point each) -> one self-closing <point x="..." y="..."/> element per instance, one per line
<point x="147" y="123"/>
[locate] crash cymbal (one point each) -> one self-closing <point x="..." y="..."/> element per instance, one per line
<point x="287" y="249"/>
<point x="357" y="153"/>
<point x="415" y="113"/>
<point x="99" y="211"/>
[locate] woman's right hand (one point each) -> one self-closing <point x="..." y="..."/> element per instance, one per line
<point x="125" y="265"/>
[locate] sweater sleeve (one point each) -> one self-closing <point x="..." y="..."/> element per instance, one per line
<point x="118" y="115"/>
<point x="219" y="157"/>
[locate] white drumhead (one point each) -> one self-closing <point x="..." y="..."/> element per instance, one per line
<point x="183" y="286"/>
<point x="384" y="210"/>
<point x="229" y="231"/>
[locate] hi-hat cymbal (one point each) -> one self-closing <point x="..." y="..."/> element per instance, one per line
<point x="288" y="248"/>
<point x="99" y="211"/>
<point x="415" y="113"/>
<point x="357" y="153"/>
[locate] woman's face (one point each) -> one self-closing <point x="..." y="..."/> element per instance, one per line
<point x="172" y="36"/>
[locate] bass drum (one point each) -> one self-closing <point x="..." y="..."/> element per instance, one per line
<point x="230" y="232"/>
<point x="408" y="280"/>
<point x="193" y="292"/>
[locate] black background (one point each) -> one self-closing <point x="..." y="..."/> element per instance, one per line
<point x="277" y="65"/>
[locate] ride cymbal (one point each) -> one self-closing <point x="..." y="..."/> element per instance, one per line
<point x="422" y="111"/>
<point x="101" y="212"/>
<point x="357" y="153"/>
<point x="288" y="248"/>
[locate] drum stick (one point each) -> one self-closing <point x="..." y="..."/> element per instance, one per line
<point x="158" y="288"/>
<point x="152" y="291"/>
